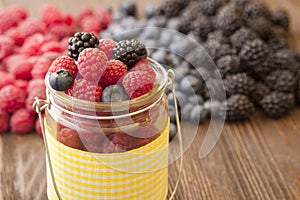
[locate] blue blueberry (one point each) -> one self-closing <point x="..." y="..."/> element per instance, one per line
<point x="157" y="21"/>
<point x="191" y="84"/>
<point x="61" y="80"/>
<point x="196" y="99"/>
<point x="114" y="93"/>
<point x="186" y="111"/>
<point x="160" y="56"/>
<point x="212" y="107"/>
<point x="181" y="70"/>
<point x="128" y="8"/>
<point x="198" y="114"/>
<point x="172" y="131"/>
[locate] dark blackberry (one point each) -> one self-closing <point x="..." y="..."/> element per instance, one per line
<point x="239" y="84"/>
<point x="297" y="56"/>
<point x="285" y="59"/>
<point x="237" y="107"/>
<point x="171" y="8"/>
<point x="229" y="19"/>
<point x="298" y="91"/>
<point x="129" y="51"/>
<point x="241" y="36"/>
<point x="254" y="52"/>
<point x="277" y="104"/>
<point x="281" y="80"/>
<point x="217" y="50"/>
<point x="260" y="91"/>
<point x="278" y="43"/>
<point x="218" y="36"/>
<point x="262" y="27"/>
<point x="261" y="70"/>
<point x="256" y="9"/>
<point x="202" y="26"/>
<point x="186" y="23"/>
<point x="241" y="3"/>
<point x="229" y="64"/>
<point x="81" y="41"/>
<point x="281" y="18"/>
<point x="210" y="7"/>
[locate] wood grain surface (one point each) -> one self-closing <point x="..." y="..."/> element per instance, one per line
<point x="255" y="159"/>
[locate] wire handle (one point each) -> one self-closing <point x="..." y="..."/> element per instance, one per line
<point x="38" y="108"/>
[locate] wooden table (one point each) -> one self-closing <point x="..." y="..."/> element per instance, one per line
<point x="255" y="159"/>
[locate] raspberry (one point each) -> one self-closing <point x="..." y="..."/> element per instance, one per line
<point x="107" y="45"/>
<point x="85" y="90"/>
<point x="66" y="63"/>
<point x="16" y="35"/>
<point x="51" y="15"/>
<point x="92" y="63"/>
<point x="19" y="11"/>
<point x="6" y="47"/>
<point x="36" y="84"/>
<point x="31" y="26"/>
<point x="12" y="60"/>
<point x="50" y="55"/>
<point x="105" y="17"/>
<point x="83" y="13"/>
<point x="12" y="98"/>
<point x="51" y="46"/>
<point x="113" y="73"/>
<point x="22" y="121"/>
<point x="8" y="20"/>
<point x="22" y="70"/>
<point x="61" y="30"/>
<point x="92" y="141"/>
<point x="143" y="65"/>
<point x="33" y="44"/>
<point x="137" y="83"/>
<point x="22" y="84"/>
<point x="4" y="121"/>
<point x="40" y="68"/>
<point x="69" y="138"/>
<point x="91" y="24"/>
<point x="6" y="79"/>
<point x="38" y="92"/>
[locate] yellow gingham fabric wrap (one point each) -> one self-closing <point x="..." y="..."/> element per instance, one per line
<point x="139" y="174"/>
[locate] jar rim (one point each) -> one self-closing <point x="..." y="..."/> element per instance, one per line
<point x="136" y="105"/>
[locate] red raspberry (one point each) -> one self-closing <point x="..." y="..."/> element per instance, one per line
<point x="113" y="73"/>
<point x="12" y="98"/>
<point x="22" y="121"/>
<point x="8" y="20"/>
<point x="16" y="35"/>
<point x="36" y="84"/>
<point x="22" y="70"/>
<point x="85" y="90"/>
<point x="51" y="15"/>
<point x="4" y="121"/>
<point x="40" y="68"/>
<point x="69" y="20"/>
<point x="13" y="59"/>
<point x="92" y="141"/>
<point x="50" y="56"/>
<point x="107" y="45"/>
<point x="137" y="83"/>
<point x="31" y="26"/>
<point x="91" y="24"/>
<point x="105" y="17"/>
<point x="51" y="46"/>
<point x="61" y="30"/>
<point x="143" y="65"/>
<point x="69" y="138"/>
<point x="33" y="44"/>
<point x="22" y="84"/>
<point x="6" y="47"/>
<point x="92" y="63"/>
<point x="40" y="93"/>
<point x="66" y="63"/>
<point x="19" y="11"/>
<point x="83" y="13"/>
<point x="6" y="79"/>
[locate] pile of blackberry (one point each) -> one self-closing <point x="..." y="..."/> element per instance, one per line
<point x="246" y="40"/>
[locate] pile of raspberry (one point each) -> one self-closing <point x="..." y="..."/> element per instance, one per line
<point x="27" y="48"/>
<point x="102" y="71"/>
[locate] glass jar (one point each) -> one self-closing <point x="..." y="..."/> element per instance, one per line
<point x="108" y="150"/>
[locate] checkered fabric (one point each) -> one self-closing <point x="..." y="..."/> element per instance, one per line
<point x="139" y="174"/>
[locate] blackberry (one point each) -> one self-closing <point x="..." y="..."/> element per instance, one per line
<point x="278" y="43"/>
<point x="171" y="8"/>
<point x="237" y="107"/>
<point x="81" y="41"/>
<point x="261" y="70"/>
<point x="241" y="36"/>
<point x="298" y="91"/>
<point x="229" y="19"/>
<point x="241" y="3"/>
<point x="262" y="27"/>
<point x="210" y="7"/>
<point x="239" y="84"/>
<point x="260" y="91"/>
<point x="256" y="9"/>
<point x="186" y="23"/>
<point x="217" y="50"/>
<point x="218" y="36"/>
<point x="281" y="80"/>
<point x="202" y="26"/>
<point x="297" y="56"/>
<point x="277" y="104"/>
<point x="285" y="59"/>
<point x="254" y="52"/>
<point x="229" y="64"/>
<point x="281" y="18"/>
<point x="129" y="51"/>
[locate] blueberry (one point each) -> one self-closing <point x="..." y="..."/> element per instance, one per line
<point x="172" y="131"/>
<point x="160" y="56"/>
<point x="198" y="114"/>
<point x="172" y="114"/>
<point x="128" y="8"/>
<point x="165" y="38"/>
<point x="157" y="21"/>
<point x="212" y="107"/>
<point x="186" y="111"/>
<point x="196" y="99"/>
<point x="151" y="11"/>
<point x="114" y="93"/>
<point x="181" y="70"/>
<point x="191" y="84"/>
<point x="173" y="23"/>
<point x="61" y="80"/>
